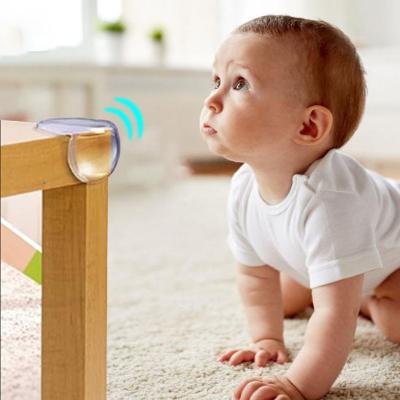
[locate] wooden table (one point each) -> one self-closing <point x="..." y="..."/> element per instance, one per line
<point x="74" y="274"/>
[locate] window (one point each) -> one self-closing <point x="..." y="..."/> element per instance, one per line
<point x="46" y="26"/>
<point x="40" y="25"/>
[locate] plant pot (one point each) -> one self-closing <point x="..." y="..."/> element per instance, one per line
<point x="158" y="53"/>
<point x="109" y="47"/>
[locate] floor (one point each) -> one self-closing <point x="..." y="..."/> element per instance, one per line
<point x="173" y="306"/>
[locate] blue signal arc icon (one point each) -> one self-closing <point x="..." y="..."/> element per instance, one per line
<point x="137" y="114"/>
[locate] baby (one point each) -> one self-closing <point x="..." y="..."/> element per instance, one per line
<point x="308" y="224"/>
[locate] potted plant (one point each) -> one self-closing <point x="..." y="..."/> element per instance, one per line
<point x="110" y="40"/>
<point x="157" y="37"/>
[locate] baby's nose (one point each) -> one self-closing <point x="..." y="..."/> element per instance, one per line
<point x="213" y="103"/>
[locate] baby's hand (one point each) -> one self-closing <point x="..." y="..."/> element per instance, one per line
<point x="260" y="352"/>
<point x="267" y="388"/>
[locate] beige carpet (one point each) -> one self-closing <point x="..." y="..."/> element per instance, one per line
<point x="173" y="306"/>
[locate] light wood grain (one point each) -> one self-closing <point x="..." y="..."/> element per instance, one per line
<point x="74" y="259"/>
<point x="13" y="132"/>
<point x="74" y="299"/>
<point x="31" y="160"/>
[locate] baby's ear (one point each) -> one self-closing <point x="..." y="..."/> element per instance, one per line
<point x="316" y="127"/>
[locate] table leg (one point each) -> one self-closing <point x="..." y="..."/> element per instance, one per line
<point x="74" y="292"/>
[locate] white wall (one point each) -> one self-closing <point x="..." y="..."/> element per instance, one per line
<point x="367" y="22"/>
<point x="375" y="23"/>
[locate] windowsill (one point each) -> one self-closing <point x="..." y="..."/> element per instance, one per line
<point x="80" y="59"/>
<point x="150" y="68"/>
<point x="378" y="55"/>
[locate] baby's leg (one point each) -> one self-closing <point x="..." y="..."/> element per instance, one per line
<point x="296" y="297"/>
<point x="383" y="307"/>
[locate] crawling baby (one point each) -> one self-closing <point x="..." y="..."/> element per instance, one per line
<point x="308" y="224"/>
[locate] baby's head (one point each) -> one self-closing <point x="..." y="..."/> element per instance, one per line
<point x="283" y="86"/>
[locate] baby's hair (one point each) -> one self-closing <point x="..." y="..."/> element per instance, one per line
<point x="330" y="66"/>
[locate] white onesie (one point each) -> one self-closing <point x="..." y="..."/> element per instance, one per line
<point x="338" y="220"/>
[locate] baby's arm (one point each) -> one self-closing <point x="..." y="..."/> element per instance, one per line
<point x="328" y="338"/>
<point x="260" y="291"/>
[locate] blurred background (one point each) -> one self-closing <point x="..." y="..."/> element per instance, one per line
<point x="167" y="197"/>
<point x="73" y="57"/>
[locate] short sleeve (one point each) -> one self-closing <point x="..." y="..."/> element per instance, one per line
<point x="339" y="238"/>
<point x="241" y="249"/>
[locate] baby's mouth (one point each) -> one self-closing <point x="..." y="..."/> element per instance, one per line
<point x="209" y="130"/>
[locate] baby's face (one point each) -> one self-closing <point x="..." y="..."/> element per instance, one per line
<point x="253" y="105"/>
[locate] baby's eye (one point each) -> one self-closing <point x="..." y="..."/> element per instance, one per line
<point x="216" y="83"/>
<point x="240" y="84"/>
